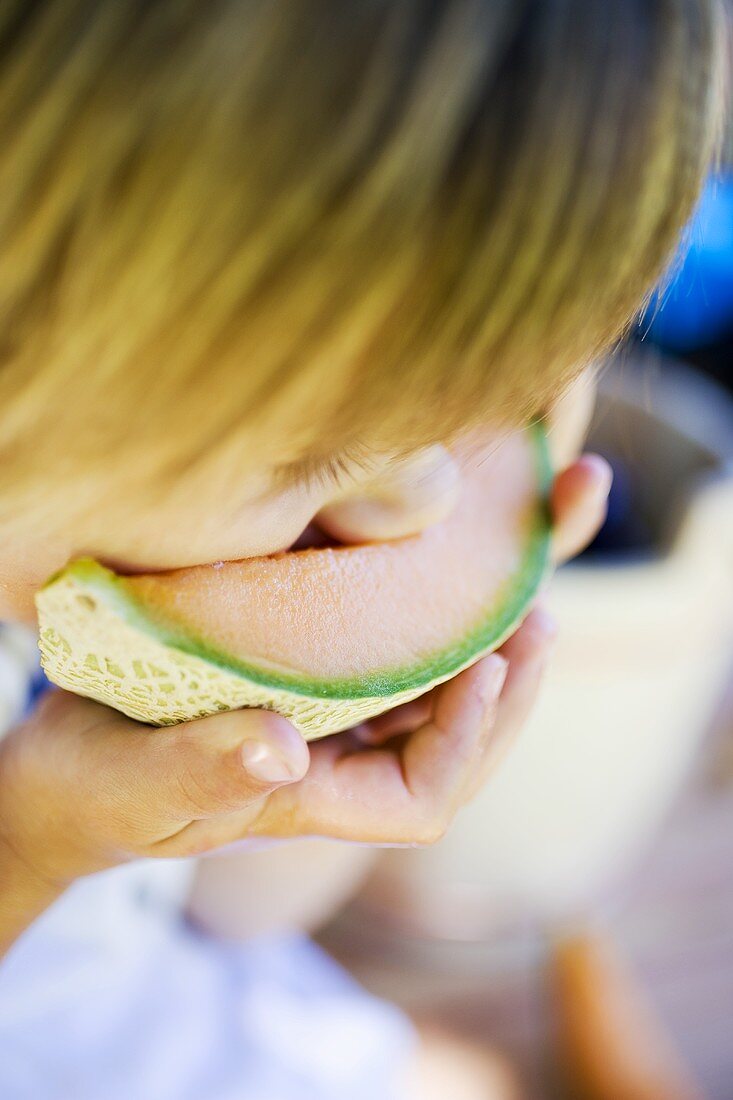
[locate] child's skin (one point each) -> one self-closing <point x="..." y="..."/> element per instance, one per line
<point x="83" y="788"/>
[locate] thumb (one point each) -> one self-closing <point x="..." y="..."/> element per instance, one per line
<point x="226" y="762"/>
<point x="82" y="786"/>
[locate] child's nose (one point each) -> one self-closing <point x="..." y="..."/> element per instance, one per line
<point x="413" y="494"/>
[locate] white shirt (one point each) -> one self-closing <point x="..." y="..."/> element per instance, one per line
<point x="111" y="995"/>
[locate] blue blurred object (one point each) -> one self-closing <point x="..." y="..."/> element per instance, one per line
<point x="696" y="308"/>
<point x="625" y="533"/>
<point x="37" y="687"/>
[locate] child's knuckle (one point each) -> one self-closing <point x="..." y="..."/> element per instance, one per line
<point x="197" y="792"/>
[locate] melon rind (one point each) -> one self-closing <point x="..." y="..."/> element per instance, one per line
<point x="96" y="641"/>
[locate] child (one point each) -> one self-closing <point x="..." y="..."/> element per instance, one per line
<point x="262" y="263"/>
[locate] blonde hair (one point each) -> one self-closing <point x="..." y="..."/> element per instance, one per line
<point x="390" y="217"/>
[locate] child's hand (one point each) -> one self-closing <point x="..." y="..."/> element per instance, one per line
<point x="83" y="788"/>
<point x="579" y="502"/>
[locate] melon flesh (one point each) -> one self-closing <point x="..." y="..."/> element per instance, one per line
<point x="327" y="637"/>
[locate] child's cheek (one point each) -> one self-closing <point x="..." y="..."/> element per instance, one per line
<point x="24" y="567"/>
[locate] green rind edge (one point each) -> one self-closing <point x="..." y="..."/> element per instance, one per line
<point x="441" y="666"/>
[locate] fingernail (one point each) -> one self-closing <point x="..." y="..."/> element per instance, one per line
<point x="603" y="473"/>
<point x="265" y="764"/>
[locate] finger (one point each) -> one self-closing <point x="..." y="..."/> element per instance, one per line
<point x="439" y="757"/>
<point x="528" y="652"/>
<point x="152" y="781"/>
<point x="538" y="630"/>
<point x="394" y="797"/>
<point x="404" y="719"/>
<point x="579" y="504"/>
<point x="224" y="763"/>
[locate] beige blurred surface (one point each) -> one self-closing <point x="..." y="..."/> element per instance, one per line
<point x="674" y="918"/>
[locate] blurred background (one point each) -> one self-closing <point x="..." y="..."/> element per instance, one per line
<point x="615" y="809"/>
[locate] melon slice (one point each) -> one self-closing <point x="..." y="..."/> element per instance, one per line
<point x="328" y="637"/>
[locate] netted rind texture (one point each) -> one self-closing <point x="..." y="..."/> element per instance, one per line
<point x="87" y="647"/>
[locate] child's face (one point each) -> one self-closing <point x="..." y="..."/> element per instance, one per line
<point x="216" y="516"/>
